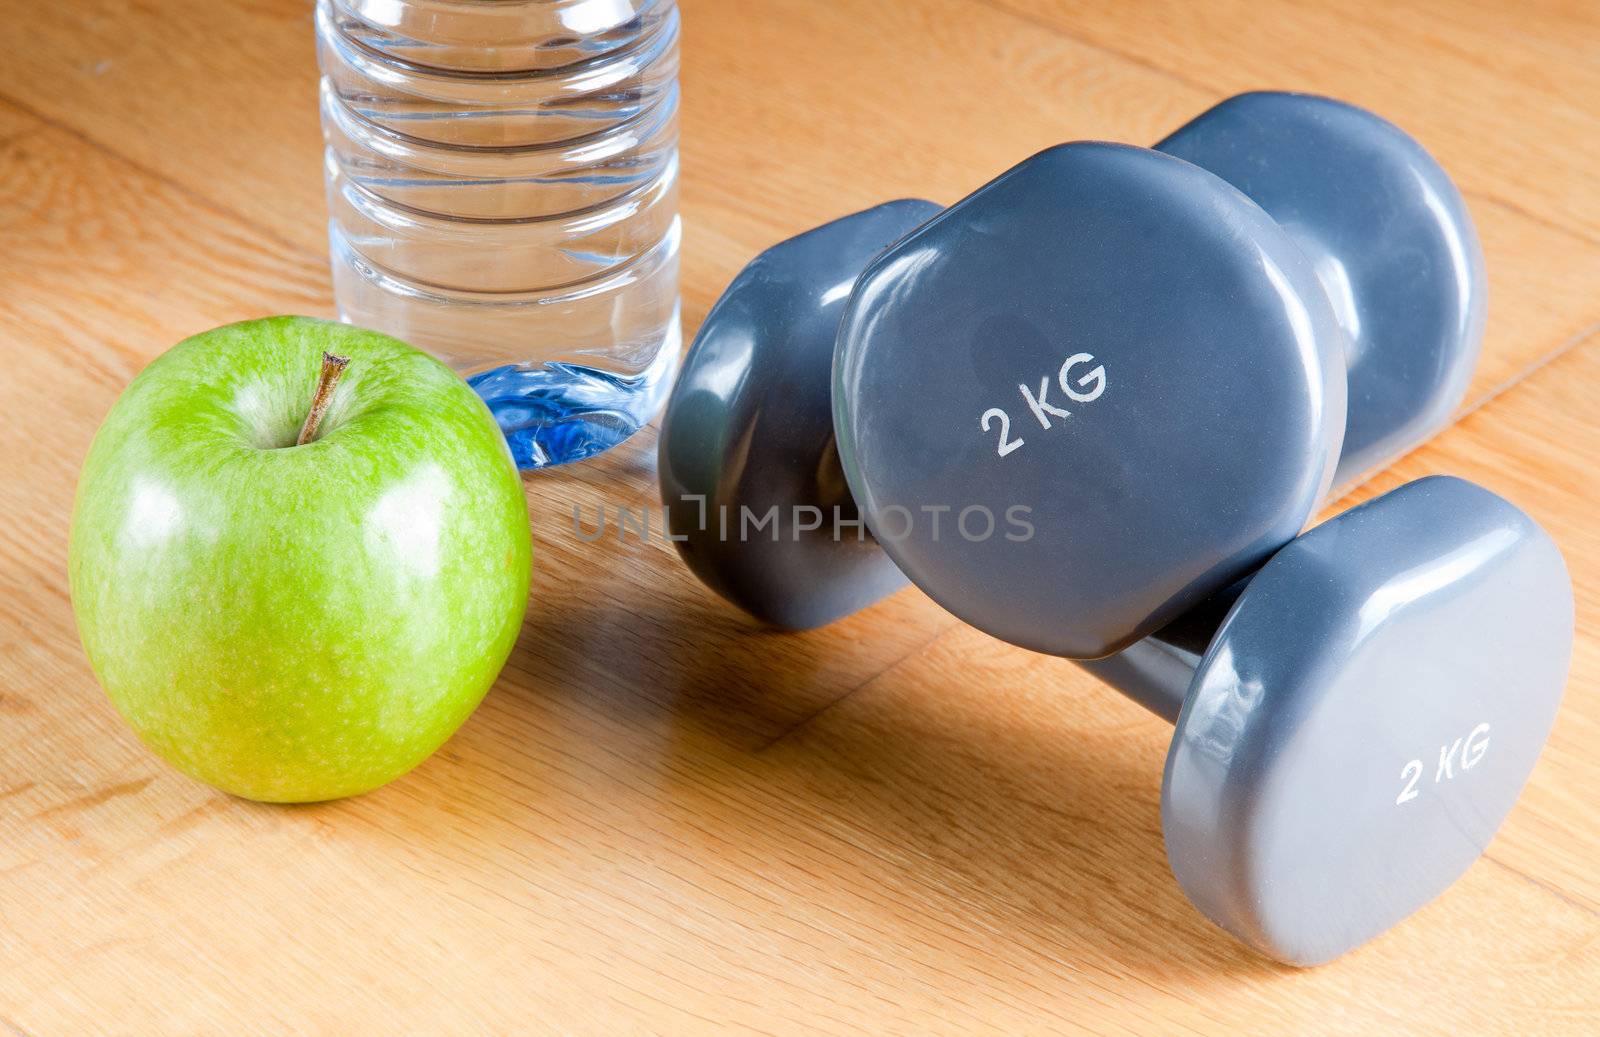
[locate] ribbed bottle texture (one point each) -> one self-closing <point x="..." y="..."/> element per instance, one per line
<point x="502" y="191"/>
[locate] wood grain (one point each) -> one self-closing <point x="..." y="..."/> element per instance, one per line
<point x="664" y="819"/>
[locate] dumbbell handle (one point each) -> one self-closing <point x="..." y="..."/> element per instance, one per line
<point x="1157" y="672"/>
<point x="1151" y="672"/>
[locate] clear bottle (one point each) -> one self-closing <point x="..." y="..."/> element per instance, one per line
<point x="502" y="191"/>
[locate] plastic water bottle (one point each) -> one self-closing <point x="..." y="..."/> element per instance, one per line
<point x="502" y="191"/>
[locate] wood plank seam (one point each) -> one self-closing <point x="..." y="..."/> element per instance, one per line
<point x="1577" y="340"/>
<point x="1571" y="344"/>
<point x="1575" y="233"/>
<point x="1054" y="29"/>
<point x="885" y="668"/>
<point x="1533" y="880"/>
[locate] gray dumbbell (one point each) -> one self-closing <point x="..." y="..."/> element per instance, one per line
<point x="1135" y="378"/>
<point x="1116" y="339"/>
<point x="1355" y="720"/>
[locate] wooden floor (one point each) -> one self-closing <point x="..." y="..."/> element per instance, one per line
<point x="663" y="819"/>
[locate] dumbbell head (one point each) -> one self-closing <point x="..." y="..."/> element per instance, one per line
<point x="1387" y="234"/>
<point x="749" y="428"/>
<point x="1365" y="716"/>
<point x="1115" y="347"/>
<point x="1122" y="345"/>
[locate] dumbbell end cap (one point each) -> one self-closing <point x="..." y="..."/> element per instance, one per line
<point x="1365" y="718"/>
<point x="747" y="452"/>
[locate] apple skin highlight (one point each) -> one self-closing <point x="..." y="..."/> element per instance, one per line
<point x="297" y="623"/>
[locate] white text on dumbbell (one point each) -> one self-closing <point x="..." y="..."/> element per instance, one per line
<point x="1455" y="758"/>
<point x="1084" y="388"/>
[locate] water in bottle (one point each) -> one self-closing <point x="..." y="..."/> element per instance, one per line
<point x="502" y="191"/>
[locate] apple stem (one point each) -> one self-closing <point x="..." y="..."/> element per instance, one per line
<point x="332" y="367"/>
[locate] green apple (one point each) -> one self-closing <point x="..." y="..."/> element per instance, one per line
<point x="298" y="622"/>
